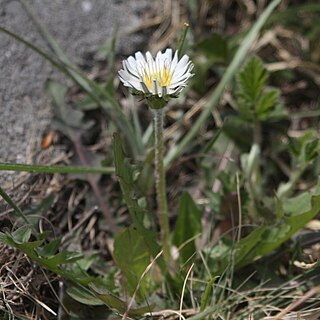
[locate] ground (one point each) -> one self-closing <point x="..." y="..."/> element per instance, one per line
<point x="80" y="27"/>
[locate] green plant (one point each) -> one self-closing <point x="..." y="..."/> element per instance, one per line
<point x="236" y="207"/>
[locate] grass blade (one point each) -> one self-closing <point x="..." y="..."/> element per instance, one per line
<point x="54" y="169"/>
<point x="11" y="203"/>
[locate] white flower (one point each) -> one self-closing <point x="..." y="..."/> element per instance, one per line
<point x="160" y="77"/>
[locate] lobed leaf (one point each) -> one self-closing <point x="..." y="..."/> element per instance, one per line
<point x="266" y="103"/>
<point x="251" y="79"/>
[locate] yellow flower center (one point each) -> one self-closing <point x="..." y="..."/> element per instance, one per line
<point x="162" y="77"/>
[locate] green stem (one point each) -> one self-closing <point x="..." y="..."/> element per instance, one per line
<point x="257" y="132"/>
<point x="181" y="40"/>
<point x="161" y="183"/>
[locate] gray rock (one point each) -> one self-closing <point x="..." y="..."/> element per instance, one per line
<point x="80" y="27"/>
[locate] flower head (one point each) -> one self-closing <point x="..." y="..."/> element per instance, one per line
<point x="162" y="77"/>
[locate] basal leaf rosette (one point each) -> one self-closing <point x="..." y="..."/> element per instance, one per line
<point x="156" y="79"/>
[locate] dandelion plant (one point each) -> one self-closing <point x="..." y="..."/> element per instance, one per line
<point x="157" y="80"/>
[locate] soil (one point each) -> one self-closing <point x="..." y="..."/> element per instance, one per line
<point x="80" y="27"/>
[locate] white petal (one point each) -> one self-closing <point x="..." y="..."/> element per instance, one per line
<point x="130" y="69"/>
<point x="183" y="61"/>
<point x="178" y="84"/>
<point x="131" y="83"/>
<point x="168" y="56"/>
<point x="135" y="85"/>
<point x="132" y="62"/>
<point x="177" y="77"/>
<point x="139" y="57"/>
<point x="158" y="56"/>
<point x="174" y="91"/>
<point x="174" y="62"/>
<point x="124" y="75"/>
<point x="149" y="57"/>
<point x="182" y="80"/>
<point x="180" y="70"/>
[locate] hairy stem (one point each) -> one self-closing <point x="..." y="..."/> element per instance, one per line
<point x="161" y="183"/>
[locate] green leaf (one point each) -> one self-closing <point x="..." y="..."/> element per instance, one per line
<point x="245" y="250"/>
<point x="69" y="256"/>
<point x="267" y="103"/>
<point x="294" y="206"/>
<point x="107" y="297"/>
<point x="188" y="226"/>
<point x="84" y="296"/>
<point x="253" y="101"/>
<point x="86" y="262"/>
<point x="263" y="240"/>
<point x="18" y="239"/>
<point x="311" y="150"/>
<point x="67" y="115"/>
<point x="145" y="179"/>
<point x="54" y="263"/>
<point x="306" y="147"/>
<point x="87" y="103"/>
<point x="131" y="255"/>
<point x="221" y="256"/>
<point x="251" y="79"/>
<point x="206" y="294"/>
<point x="5" y="239"/>
<point x="21" y="235"/>
<point x="124" y="171"/>
<point x="49" y="249"/>
<point x="297" y="216"/>
<point x="28" y="247"/>
<point x="115" y="303"/>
